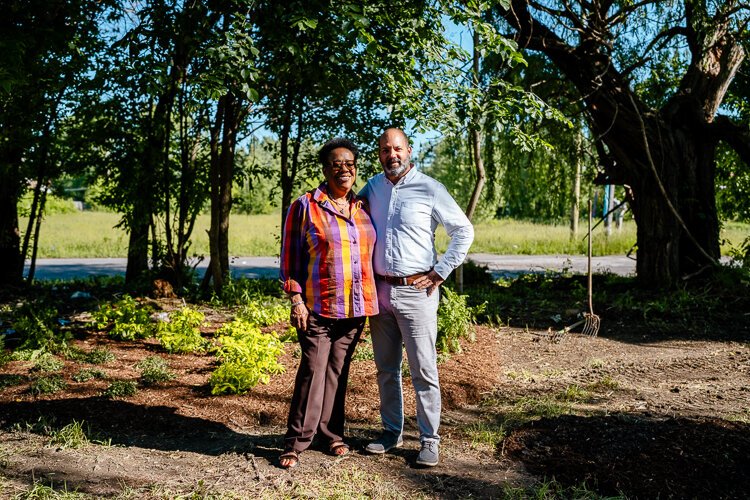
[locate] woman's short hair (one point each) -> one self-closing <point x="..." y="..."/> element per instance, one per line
<point x="338" y="142"/>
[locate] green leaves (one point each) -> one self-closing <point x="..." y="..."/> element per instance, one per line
<point x="181" y="333"/>
<point x="248" y="357"/>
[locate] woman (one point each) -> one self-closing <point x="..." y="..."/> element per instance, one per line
<point x="327" y="273"/>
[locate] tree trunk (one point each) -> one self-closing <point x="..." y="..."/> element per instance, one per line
<point x="138" y="227"/>
<point x="666" y="156"/>
<point x="11" y="272"/>
<point x="214" y="272"/>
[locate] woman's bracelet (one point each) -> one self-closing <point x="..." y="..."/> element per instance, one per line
<point x="295" y="304"/>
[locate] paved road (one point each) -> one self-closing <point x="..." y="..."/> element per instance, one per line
<point x="268" y="267"/>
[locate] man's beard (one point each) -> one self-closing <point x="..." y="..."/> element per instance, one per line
<point x="397" y="170"/>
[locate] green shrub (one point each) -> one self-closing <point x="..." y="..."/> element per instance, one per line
<point x="126" y="318"/>
<point x="154" y="370"/>
<point x="52" y="205"/>
<point x="248" y="357"/>
<point x="181" y="334"/>
<point x="264" y="313"/>
<point x="455" y="321"/>
<point x="121" y="389"/>
<point x="47" y="385"/>
<point x="86" y="374"/>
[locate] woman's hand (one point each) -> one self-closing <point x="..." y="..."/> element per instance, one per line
<point x="298" y="316"/>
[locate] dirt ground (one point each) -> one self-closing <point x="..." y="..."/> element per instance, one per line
<point x="618" y="414"/>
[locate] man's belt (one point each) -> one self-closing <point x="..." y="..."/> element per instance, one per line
<point x="400" y="280"/>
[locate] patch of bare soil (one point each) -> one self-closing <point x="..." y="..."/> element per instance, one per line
<point x="644" y="419"/>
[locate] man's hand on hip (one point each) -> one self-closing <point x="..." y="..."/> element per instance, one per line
<point x="431" y="281"/>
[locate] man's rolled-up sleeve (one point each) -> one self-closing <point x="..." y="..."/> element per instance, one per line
<point x="459" y="229"/>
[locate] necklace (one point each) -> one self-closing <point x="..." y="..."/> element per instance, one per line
<point x="342" y="205"/>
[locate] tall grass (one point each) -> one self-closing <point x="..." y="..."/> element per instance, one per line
<point x="92" y="234"/>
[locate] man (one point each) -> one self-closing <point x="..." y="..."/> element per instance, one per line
<point x="406" y="208"/>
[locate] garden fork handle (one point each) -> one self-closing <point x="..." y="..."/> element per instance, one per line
<point x="591" y="301"/>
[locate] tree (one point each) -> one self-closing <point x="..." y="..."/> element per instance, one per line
<point x="47" y="57"/>
<point x="664" y="149"/>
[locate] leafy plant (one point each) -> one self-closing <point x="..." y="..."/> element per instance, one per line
<point x="181" y="333"/>
<point x="40" y="491"/>
<point x="121" y="389"/>
<point x="40" y="330"/>
<point x="9" y="380"/>
<point x="86" y="374"/>
<point x="154" y="370"/>
<point x="244" y="290"/>
<point x="99" y="356"/>
<point x="575" y="394"/>
<point x="455" y="321"/>
<point x="126" y="318"/>
<point x="47" y="385"/>
<point x="363" y="351"/>
<point x="47" y="363"/>
<point x="5" y="357"/>
<point x="248" y="357"/>
<point x="264" y="313"/>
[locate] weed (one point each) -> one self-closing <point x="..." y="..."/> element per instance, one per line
<point x="47" y="363"/>
<point x="154" y="370"/>
<point x="47" y="385"/>
<point x="596" y="363"/>
<point x="248" y="357"/>
<point x="244" y="290"/>
<point x="43" y="425"/>
<point x="39" y="329"/>
<point x="99" y="356"/>
<point x="523" y="375"/>
<point x="549" y="490"/>
<point x="39" y="491"/>
<point x="482" y="433"/>
<point x="70" y="436"/>
<point x="743" y="417"/>
<point x="86" y="374"/>
<point x="574" y="394"/>
<point x="606" y="383"/>
<point x="181" y="334"/>
<point x="455" y="321"/>
<point x="363" y="351"/>
<point x="9" y="380"/>
<point x="120" y="389"/>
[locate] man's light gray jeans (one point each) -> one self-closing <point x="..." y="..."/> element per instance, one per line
<point x="407" y="316"/>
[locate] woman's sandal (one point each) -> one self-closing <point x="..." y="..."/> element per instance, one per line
<point x="339" y="448"/>
<point x="289" y="459"/>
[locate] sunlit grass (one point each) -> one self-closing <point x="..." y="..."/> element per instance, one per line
<point x="93" y="234"/>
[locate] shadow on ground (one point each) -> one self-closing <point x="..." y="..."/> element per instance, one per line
<point x="127" y="424"/>
<point x="640" y="457"/>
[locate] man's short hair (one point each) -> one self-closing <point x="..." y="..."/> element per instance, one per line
<point x="335" y="143"/>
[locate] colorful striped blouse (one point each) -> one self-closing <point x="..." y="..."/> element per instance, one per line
<point x="327" y="257"/>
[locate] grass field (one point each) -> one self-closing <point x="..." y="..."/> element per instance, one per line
<point x="93" y="234"/>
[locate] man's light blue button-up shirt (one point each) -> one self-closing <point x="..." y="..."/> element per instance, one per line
<point x="406" y="215"/>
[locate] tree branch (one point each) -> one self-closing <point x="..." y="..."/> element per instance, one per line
<point x="736" y="136"/>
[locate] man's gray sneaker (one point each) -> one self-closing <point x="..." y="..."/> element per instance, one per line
<point x="384" y="443"/>
<point x="429" y="454"/>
